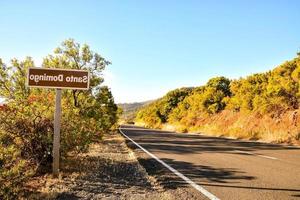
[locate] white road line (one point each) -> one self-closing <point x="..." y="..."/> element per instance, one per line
<point x="244" y="152"/>
<point x="269" y="157"/>
<point x="249" y="153"/>
<point x="186" y="179"/>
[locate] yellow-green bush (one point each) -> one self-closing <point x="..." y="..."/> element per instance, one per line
<point x="266" y="96"/>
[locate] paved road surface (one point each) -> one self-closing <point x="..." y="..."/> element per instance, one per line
<point x="228" y="169"/>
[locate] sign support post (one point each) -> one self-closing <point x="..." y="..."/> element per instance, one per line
<point x="56" y="136"/>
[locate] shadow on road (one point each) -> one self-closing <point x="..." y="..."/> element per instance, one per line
<point x="202" y="175"/>
<point x="169" y="180"/>
<point x="167" y="142"/>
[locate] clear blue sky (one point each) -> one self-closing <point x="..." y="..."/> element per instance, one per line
<point x="158" y="45"/>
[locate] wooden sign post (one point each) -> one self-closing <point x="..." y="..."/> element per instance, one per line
<point x="58" y="79"/>
<point x="56" y="136"/>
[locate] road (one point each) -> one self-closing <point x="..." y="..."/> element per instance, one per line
<point x="226" y="168"/>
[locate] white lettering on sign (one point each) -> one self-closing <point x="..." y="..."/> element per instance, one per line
<point x="60" y="78"/>
<point x="83" y="79"/>
<point x="38" y="78"/>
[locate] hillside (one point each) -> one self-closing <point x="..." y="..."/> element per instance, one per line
<point x="261" y="106"/>
<point x="130" y="109"/>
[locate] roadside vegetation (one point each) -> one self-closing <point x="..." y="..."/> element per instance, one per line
<point x="261" y="106"/>
<point x="26" y="119"/>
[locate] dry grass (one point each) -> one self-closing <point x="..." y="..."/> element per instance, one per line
<point x="283" y="128"/>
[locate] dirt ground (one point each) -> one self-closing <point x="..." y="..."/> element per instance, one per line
<point x="109" y="170"/>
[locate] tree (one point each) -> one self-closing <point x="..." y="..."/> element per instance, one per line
<point x="71" y="55"/>
<point x="215" y="91"/>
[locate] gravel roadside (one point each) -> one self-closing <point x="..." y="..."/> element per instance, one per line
<point x="109" y="170"/>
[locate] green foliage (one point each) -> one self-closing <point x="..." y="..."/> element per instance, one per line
<point x="150" y="116"/>
<point x="270" y="93"/>
<point x="158" y="112"/>
<point x="25" y="128"/>
<point x="215" y="91"/>
<point x="13" y="170"/>
<point x="275" y="91"/>
<point x="203" y="101"/>
<point x="244" y="91"/>
<point x="185" y="102"/>
<point x="26" y="122"/>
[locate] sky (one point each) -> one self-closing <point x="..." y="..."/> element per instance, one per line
<point x="156" y="46"/>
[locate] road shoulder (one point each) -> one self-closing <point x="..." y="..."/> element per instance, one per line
<point x="109" y="170"/>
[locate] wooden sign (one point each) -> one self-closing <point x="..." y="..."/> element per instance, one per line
<point x="58" y="78"/>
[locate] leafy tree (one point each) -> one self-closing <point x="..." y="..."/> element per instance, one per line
<point x="71" y="55"/>
<point x="215" y="91"/>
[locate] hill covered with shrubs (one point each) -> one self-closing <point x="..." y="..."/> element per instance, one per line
<point x="260" y="106"/>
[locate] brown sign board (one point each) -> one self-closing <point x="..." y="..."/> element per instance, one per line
<point x="58" y="78"/>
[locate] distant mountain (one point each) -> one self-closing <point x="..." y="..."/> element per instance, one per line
<point x="130" y="109"/>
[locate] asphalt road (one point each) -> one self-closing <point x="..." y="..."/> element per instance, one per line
<point x="226" y="168"/>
